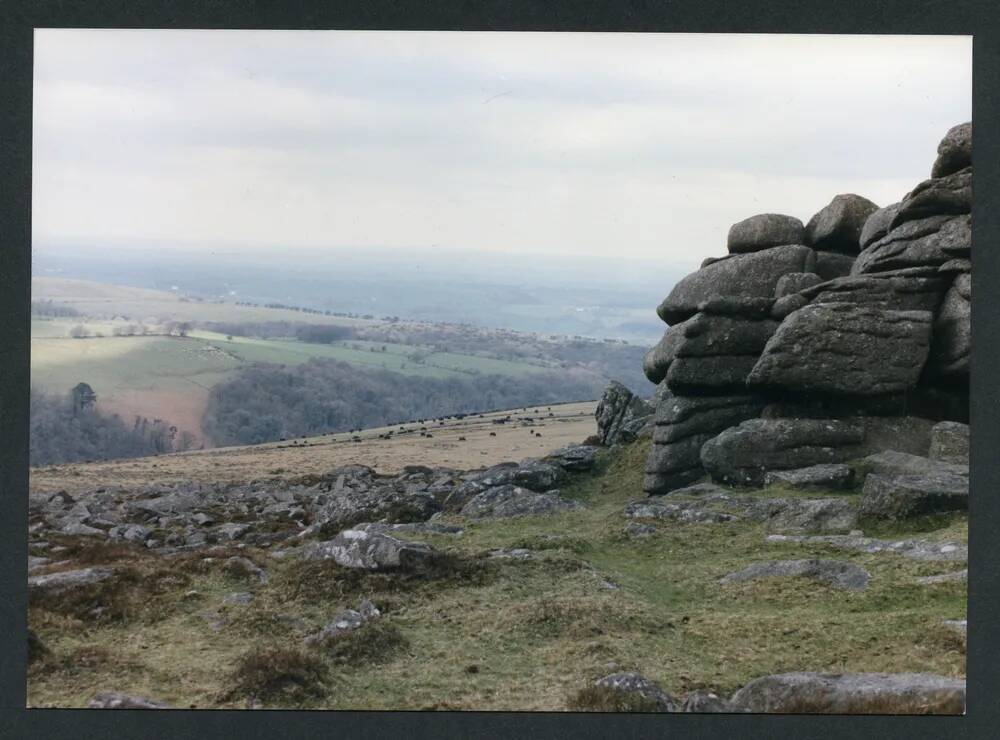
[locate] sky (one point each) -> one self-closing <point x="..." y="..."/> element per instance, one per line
<point x="643" y="146"/>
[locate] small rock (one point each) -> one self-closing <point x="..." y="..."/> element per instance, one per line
<point x="705" y="702"/>
<point x="635" y="529"/>
<point x="634" y="683"/>
<point x="239" y="597"/>
<point x="114" y="700"/>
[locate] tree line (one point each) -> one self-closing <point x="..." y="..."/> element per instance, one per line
<point x="265" y="403"/>
<point x="70" y="428"/>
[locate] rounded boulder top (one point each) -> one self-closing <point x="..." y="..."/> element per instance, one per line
<point x="954" y="151"/>
<point x="837" y="227"/>
<point x="764" y="230"/>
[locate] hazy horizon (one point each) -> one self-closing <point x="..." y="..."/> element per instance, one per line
<point x="627" y="147"/>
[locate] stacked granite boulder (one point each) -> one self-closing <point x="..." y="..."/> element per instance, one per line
<point x="862" y="312"/>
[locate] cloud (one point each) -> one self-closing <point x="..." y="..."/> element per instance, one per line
<point x="641" y="145"/>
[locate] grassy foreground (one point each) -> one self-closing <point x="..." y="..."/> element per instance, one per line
<point x="497" y="634"/>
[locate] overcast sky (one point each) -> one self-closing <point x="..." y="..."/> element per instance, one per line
<point x="604" y="144"/>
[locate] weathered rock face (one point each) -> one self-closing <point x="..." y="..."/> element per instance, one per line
<point x="742" y="455"/>
<point x="845" y="349"/>
<point x="716" y="353"/>
<point x="836" y="573"/>
<point x="891" y="462"/>
<point x="616" y="411"/>
<point x="878" y="225"/>
<point x="813" y="516"/>
<point x="925" y="242"/>
<point x="752" y="275"/>
<point x="950" y="442"/>
<point x="815" y="476"/>
<point x="657" y="361"/>
<point x="954" y="152"/>
<point x="902" y="496"/>
<point x="793" y="282"/>
<point x="371" y="550"/>
<point x="763" y="231"/>
<point x="952" y="343"/>
<point x="852" y="693"/>
<point x="511" y="501"/>
<point x="682" y="426"/>
<point x="898" y="292"/>
<point x="830" y="265"/>
<point x="577" y="458"/>
<point x="837" y="227"/>
<point x="948" y="194"/>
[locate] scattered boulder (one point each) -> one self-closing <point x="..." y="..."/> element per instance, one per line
<point x="891" y="462"/>
<point x="511" y="501"/>
<point x="950" y="442"/>
<point x="706" y="702"/>
<point x="246" y="568"/>
<point x="837" y="227"/>
<point x="954" y="153"/>
<point x="371" y="550"/>
<point x="813" y="516"/>
<point x="68" y="580"/>
<point x="634" y="683"/>
<point x="577" y="458"/>
<point x="742" y="455"/>
<point x="346" y="621"/>
<point x="752" y="275"/>
<point x="845" y="349"/>
<point x="836" y="476"/>
<point x="617" y="408"/>
<point x="915" y="549"/>
<point x="115" y="700"/>
<point x="902" y="496"/>
<point x="763" y="231"/>
<point x="837" y="573"/>
<point x="681" y="511"/>
<point x="927" y="242"/>
<point x="852" y="693"/>
<point x="347" y="506"/>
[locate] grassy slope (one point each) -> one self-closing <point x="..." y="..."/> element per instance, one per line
<point x="535" y="631"/>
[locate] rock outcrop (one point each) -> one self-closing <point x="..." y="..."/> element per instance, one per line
<point x="864" y="312"/>
<point x="852" y="693"/>
<point x="621" y="415"/>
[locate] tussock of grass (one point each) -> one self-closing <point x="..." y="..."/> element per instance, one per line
<point x="132" y="592"/>
<point x="608" y="699"/>
<point x="373" y="643"/>
<point x="277" y="674"/>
